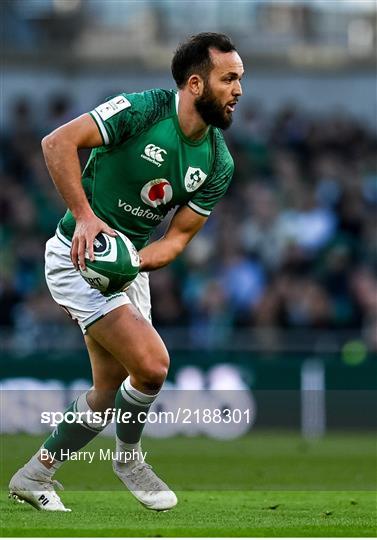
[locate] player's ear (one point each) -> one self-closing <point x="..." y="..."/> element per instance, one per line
<point x="195" y="84"/>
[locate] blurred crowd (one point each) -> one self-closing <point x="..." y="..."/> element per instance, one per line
<point x="291" y="246"/>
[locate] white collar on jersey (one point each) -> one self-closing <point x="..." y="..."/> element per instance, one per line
<point x="176" y="102"/>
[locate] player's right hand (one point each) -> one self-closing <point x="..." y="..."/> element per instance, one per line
<point x="85" y="232"/>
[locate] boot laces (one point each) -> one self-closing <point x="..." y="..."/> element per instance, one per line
<point x="143" y="476"/>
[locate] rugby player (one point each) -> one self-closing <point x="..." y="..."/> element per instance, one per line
<point x="152" y="151"/>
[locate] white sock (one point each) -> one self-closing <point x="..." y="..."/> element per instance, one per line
<point x="122" y="447"/>
<point x="36" y="469"/>
<point x="126" y="447"/>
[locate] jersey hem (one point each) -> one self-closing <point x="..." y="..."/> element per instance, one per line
<point x="62" y="237"/>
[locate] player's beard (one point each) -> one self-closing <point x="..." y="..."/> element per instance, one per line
<point x="211" y="110"/>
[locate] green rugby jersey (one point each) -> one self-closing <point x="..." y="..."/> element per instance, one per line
<point x="147" y="166"/>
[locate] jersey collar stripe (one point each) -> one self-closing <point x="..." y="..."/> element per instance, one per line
<point x="101" y="127"/>
<point x="176" y="102"/>
<point x="197" y="209"/>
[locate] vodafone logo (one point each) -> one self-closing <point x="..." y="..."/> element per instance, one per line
<point x="157" y="192"/>
<point x="154" y="154"/>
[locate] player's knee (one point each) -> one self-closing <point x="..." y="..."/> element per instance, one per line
<point x="153" y="374"/>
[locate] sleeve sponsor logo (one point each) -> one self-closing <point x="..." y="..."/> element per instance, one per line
<point x="194" y="178"/>
<point x="113" y="106"/>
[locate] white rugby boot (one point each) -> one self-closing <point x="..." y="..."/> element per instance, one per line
<point x="145" y="485"/>
<point x="40" y="493"/>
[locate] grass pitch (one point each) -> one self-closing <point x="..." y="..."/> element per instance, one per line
<point x="264" y="484"/>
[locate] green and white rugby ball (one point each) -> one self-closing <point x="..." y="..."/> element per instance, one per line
<point x="116" y="264"/>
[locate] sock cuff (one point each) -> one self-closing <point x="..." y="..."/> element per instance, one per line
<point x="134" y="396"/>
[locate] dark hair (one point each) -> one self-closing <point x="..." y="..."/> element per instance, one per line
<point x="193" y="55"/>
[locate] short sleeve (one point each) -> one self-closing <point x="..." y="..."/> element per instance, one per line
<point x="125" y="115"/>
<point x="217" y="184"/>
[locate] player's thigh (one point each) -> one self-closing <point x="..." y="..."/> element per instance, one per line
<point x="133" y="341"/>
<point x="108" y="374"/>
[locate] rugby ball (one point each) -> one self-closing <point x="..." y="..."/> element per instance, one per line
<point x="116" y="264"/>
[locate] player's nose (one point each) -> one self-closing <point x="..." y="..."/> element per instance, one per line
<point x="237" y="89"/>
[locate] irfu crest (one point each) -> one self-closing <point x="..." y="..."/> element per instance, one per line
<point x="194" y="178"/>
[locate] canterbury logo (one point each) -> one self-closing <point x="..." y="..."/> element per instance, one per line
<point x="154" y="154"/>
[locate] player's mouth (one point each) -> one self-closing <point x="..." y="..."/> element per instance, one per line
<point x="230" y="107"/>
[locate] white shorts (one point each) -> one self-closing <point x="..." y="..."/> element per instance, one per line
<point x="72" y="292"/>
